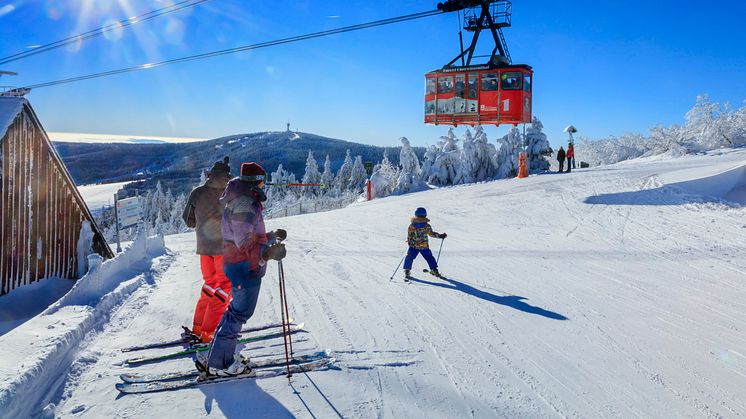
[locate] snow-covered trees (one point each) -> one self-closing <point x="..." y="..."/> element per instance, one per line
<point x="358" y="176"/>
<point x="277" y="189"/>
<point x="507" y="154"/>
<point x="537" y="148"/>
<point x="312" y="176"/>
<point x="327" y="178"/>
<point x="409" y="177"/>
<point x="447" y="162"/>
<point x="469" y="167"/>
<point x="709" y="126"/>
<point x="486" y="156"/>
<point x="345" y="172"/>
<point x="384" y="178"/>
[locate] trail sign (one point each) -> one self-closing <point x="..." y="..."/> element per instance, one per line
<point x="129" y="212"/>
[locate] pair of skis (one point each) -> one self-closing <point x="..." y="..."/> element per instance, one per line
<point x="206" y="346"/>
<point x="151" y="383"/>
<point x="410" y="277"/>
<point x="191" y="340"/>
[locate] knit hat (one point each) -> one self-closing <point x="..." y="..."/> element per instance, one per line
<point x="252" y="172"/>
<point x="420" y="212"/>
<point x="221" y="168"/>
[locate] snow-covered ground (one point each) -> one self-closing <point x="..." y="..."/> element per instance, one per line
<point x="97" y="196"/>
<point x="605" y="292"/>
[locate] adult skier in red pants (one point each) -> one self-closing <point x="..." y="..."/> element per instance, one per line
<point x="203" y="212"/>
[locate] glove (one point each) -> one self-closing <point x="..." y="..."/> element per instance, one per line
<point x="443" y="235"/>
<point x="277" y="236"/>
<point x="275" y="252"/>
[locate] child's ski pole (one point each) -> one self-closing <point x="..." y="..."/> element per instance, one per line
<point x="441" y="248"/>
<point x="397" y="267"/>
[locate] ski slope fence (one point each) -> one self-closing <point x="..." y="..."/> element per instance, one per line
<point x="307" y="207"/>
<point x="41" y="211"/>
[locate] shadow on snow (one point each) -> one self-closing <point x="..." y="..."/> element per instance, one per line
<point x="513" y="301"/>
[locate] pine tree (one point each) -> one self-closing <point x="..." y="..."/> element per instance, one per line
<point x="469" y="161"/>
<point x="327" y="178"/>
<point x="507" y="155"/>
<point x="486" y="154"/>
<point x="443" y="171"/>
<point x="344" y="173"/>
<point x="410" y="176"/>
<point x="538" y="149"/>
<point x="312" y="175"/>
<point x="358" y="175"/>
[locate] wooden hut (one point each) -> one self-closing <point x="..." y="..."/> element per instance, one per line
<point x="41" y="210"/>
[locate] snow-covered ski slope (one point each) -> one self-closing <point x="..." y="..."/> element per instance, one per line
<point x="605" y="292"/>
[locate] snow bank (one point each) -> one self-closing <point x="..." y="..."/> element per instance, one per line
<point x="38" y="355"/>
<point x="728" y="184"/>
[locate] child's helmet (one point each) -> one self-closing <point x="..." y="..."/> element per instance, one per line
<point x="420" y="212"/>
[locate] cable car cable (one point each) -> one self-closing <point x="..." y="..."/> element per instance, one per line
<point x="100" y="31"/>
<point x="241" y="49"/>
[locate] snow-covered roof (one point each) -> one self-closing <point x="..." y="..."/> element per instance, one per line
<point x="10" y="107"/>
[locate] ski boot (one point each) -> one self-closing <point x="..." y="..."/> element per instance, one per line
<point x="240" y="366"/>
<point x="407" y="275"/>
<point x="189" y="336"/>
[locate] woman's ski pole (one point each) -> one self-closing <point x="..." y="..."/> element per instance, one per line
<point x="285" y="318"/>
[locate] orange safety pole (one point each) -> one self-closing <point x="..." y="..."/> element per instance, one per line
<point x="522" y="165"/>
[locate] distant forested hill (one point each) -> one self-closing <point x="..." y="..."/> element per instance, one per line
<point x="178" y="166"/>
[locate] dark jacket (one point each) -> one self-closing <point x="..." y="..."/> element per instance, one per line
<point x="203" y="213"/>
<point x="561" y="154"/>
<point x="244" y="233"/>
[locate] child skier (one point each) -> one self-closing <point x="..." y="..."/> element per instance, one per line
<point x="417" y="240"/>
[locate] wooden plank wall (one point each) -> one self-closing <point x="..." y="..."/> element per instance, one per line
<point x="41" y="213"/>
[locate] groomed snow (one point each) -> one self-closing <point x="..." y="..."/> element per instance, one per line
<point x="598" y="293"/>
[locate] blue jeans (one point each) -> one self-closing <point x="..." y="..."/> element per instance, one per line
<point x="245" y="291"/>
<point x="426" y="253"/>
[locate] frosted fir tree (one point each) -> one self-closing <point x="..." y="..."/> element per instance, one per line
<point x="410" y="179"/>
<point x="408" y="158"/>
<point x="344" y="173"/>
<point x="327" y="178"/>
<point x="446" y="165"/>
<point x="486" y="155"/>
<point x="176" y="222"/>
<point x="431" y="155"/>
<point x="291" y="193"/>
<point x="384" y="178"/>
<point x="358" y="175"/>
<point x="507" y="154"/>
<point x="276" y="190"/>
<point x="538" y="149"/>
<point x="312" y="176"/>
<point x="469" y="161"/>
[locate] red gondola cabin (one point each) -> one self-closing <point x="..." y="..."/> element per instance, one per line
<point x="478" y="95"/>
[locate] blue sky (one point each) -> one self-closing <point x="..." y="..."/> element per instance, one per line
<point x="607" y="67"/>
